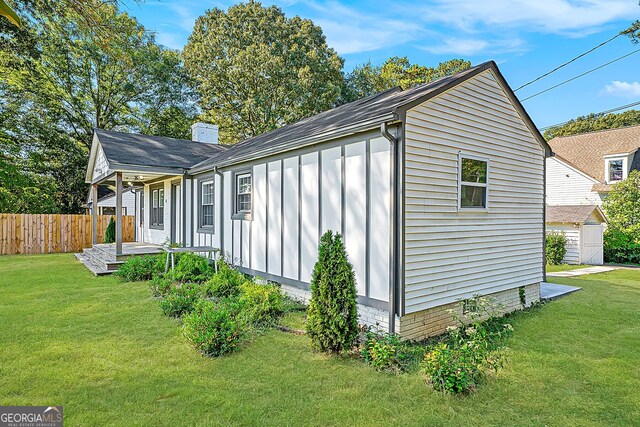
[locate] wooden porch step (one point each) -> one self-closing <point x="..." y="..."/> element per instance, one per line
<point x="103" y="259"/>
<point x="88" y="262"/>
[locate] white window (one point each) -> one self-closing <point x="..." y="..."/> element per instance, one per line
<point x="616" y="170"/>
<point x="473" y="181"/>
<point x="207" y="213"/>
<point x="243" y="193"/>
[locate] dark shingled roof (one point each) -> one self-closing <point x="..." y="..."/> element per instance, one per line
<point x="362" y="111"/>
<point x="576" y="214"/>
<point x="144" y="150"/>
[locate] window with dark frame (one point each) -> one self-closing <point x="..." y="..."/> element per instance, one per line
<point x="157" y="207"/>
<point x="615" y="170"/>
<point x="207" y="212"/>
<point x="473" y="183"/>
<point x="243" y="193"/>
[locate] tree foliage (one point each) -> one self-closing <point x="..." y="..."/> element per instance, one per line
<point x="332" y="316"/>
<point x="594" y="122"/>
<point x="368" y="79"/>
<point x="256" y="69"/>
<point x="633" y="32"/>
<point x="622" y="207"/>
<point x="66" y="72"/>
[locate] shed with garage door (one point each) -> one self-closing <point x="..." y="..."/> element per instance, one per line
<point x="583" y="225"/>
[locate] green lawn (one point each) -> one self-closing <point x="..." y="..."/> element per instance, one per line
<point x="564" y="267"/>
<point x="104" y="350"/>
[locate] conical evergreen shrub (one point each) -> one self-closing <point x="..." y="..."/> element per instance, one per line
<point x="110" y="232"/>
<point x="332" y="316"/>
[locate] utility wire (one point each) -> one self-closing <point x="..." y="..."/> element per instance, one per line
<point x="567" y="63"/>
<point x="612" y="110"/>
<point x="580" y="75"/>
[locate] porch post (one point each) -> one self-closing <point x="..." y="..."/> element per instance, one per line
<point x="94" y="214"/>
<point x="118" y="213"/>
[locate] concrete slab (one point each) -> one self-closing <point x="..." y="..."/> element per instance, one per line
<point x="582" y="271"/>
<point x="549" y="291"/>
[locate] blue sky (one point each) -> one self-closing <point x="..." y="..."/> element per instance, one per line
<point x="525" y="37"/>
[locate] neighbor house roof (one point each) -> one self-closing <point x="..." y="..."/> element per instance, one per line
<point x="143" y="150"/>
<point x="575" y="214"/>
<point x="363" y="114"/>
<point x="586" y="151"/>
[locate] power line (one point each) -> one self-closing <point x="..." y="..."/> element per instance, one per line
<point x="567" y="63"/>
<point x="579" y="75"/>
<point x="612" y="110"/>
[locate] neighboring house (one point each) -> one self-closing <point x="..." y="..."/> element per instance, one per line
<point x="582" y="225"/>
<point x="438" y="191"/>
<point x="586" y="165"/>
<point x="107" y="202"/>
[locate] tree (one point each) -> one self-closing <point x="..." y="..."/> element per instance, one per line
<point x="368" y="79"/>
<point x="633" y="32"/>
<point x="8" y="13"/>
<point x="593" y="122"/>
<point x="332" y="316"/>
<point x="110" y="231"/>
<point x="68" y="71"/>
<point x="256" y="70"/>
<point x="622" y="207"/>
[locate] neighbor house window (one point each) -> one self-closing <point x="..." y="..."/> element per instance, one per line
<point x="616" y="170"/>
<point x="243" y="193"/>
<point x="206" y="204"/>
<point x="472" y="183"/>
<point x="157" y="207"/>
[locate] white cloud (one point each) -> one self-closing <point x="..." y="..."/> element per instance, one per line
<point x="474" y="46"/>
<point x="624" y="89"/>
<point x="545" y="16"/>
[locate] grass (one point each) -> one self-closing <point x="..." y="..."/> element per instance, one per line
<point x="564" y="267"/>
<point x="104" y="350"/>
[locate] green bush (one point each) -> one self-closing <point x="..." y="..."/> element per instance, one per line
<point x="620" y="248"/>
<point x="332" y="316"/>
<point x="139" y="268"/>
<point x="622" y="236"/>
<point x="192" y="268"/>
<point x="386" y="352"/>
<point x="463" y="359"/>
<point x="262" y="304"/>
<point x="110" y="232"/>
<point x="225" y="283"/>
<point x="555" y="247"/>
<point x="180" y="300"/>
<point x="160" y="286"/>
<point x="214" y="328"/>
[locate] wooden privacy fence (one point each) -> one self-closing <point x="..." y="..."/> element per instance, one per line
<point x="48" y="233"/>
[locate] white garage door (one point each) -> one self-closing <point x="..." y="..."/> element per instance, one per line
<point x="591" y="247"/>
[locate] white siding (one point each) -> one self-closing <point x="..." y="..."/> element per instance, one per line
<point x="572" y="233"/>
<point x="309" y="215"/>
<point x="331" y="194"/>
<point x="128" y="201"/>
<point x="274" y="219"/>
<point x="355" y="210"/>
<point x="101" y="164"/>
<point x="227" y="203"/>
<point x="153" y="235"/>
<point x="451" y="255"/>
<point x="259" y="223"/>
<point x="380" y="218"/>
<point x="245" y="237"/>
<point x="290" y="217"/>
<point x="566" y="186"/>
<point x="205" y="238"/>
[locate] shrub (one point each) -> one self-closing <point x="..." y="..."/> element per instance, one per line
<point x="386" y="352"/>
<point x="139" y="268"/>
<point x="620" y="248"/>
<point x="192" y="268"/>
<point x="214" y="328"/>
<point x="180" y="300"/>
<point x="225" y="283"/>
<point x="332" y="316"/>
<point x="160" y="286"/>
<point x="555" y="247"/>
<point x="110" y="232"/>
<point x="463" y="359"/>
<point x="262" y="304"/>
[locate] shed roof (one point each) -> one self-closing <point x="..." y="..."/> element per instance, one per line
<point x="575" y="214"/>
<point x="586" y="151"/>
<point x="144" y="150"/>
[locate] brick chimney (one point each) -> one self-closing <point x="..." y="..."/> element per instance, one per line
<point x="204" y="132"/>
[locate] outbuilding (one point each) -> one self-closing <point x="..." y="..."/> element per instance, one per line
<point x="583" y="226"/>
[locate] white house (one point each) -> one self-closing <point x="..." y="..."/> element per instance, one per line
<point x="438" y="191"/>
<point x="583" y="226"/>
<point x="107" y="202"/>
<point x="585" y="166"/>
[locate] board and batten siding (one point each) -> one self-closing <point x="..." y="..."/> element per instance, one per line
<point x="344" y="186"/>
<point x="449" y="254"/>
<point x="567" y="186"/>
